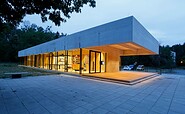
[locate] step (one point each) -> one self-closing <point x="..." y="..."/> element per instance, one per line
<point x="133" y="82"/>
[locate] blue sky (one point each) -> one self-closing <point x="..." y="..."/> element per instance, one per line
<point x="164" y="19"/>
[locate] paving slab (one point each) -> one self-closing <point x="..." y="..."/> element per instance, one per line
<point x="75" y="95"/>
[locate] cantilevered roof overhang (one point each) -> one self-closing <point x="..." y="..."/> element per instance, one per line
<point x="126" y="35"/>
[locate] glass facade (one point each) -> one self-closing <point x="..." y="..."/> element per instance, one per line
<point x="97" y="62"/>
<point x="75" y="61"/>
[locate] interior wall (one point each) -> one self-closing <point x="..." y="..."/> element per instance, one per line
<point x="113" y="61"/>
<point x="113" y="57"/>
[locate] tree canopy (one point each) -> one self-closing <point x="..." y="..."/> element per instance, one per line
<point x="13" y="11"/>
<point x="13" y="40"/>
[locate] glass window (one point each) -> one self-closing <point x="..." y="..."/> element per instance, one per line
<point x="61" y="60"/>
<point x="74" y="61"/>
<point x="85" y="61"/>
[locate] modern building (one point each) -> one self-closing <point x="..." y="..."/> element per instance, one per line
<point x="94" y="50"/>
<point x="173" y="56"/>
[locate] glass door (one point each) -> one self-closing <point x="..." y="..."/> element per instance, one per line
<point x="98" y="60"/>
<point x="95" y="60"/>
<point x="92" y="62"/>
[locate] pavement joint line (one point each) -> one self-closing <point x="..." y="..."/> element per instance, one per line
<point x="20" y="99"/>
<point x="137" y="94"/>
<point x="147" y="95"/>
<point x="4" y="103"/>
<point x="160" y="95"/>
<point x="143" y="98"/>
<point x="36" y="101"/>
<point x="173" y="96"/>
<point x="53" y="100"/>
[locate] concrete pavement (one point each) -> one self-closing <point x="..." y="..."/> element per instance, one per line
<point x="74" y="95"/>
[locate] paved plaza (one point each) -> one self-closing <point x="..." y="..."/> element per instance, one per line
<point x="64" y="94"/>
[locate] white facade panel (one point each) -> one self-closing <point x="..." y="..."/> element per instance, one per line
<point x="120" y="31"/>
<point x="142" y="37"/>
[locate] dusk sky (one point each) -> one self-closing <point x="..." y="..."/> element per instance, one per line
<point x="164" y="19"/>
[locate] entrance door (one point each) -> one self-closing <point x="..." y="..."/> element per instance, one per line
<point x="95" y="59"/>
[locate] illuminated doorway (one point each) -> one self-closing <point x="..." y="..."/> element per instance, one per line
<point x="95" y="62"/>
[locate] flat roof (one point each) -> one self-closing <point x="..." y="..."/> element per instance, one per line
<point x="126" y="30"/>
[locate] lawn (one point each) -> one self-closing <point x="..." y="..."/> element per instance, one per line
<point x="15" y="67"/>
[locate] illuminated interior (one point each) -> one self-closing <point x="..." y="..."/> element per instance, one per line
<point x="88" y="61"/>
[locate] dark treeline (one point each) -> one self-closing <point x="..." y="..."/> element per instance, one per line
<point x="14" y="39"/>
<point x="163" y="60"/>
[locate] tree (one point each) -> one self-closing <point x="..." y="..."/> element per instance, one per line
<point x="180" y="52"/>
<point x="13" y="11"/>
<point x="166" y="58"/>
<point x="13" y="40"/>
